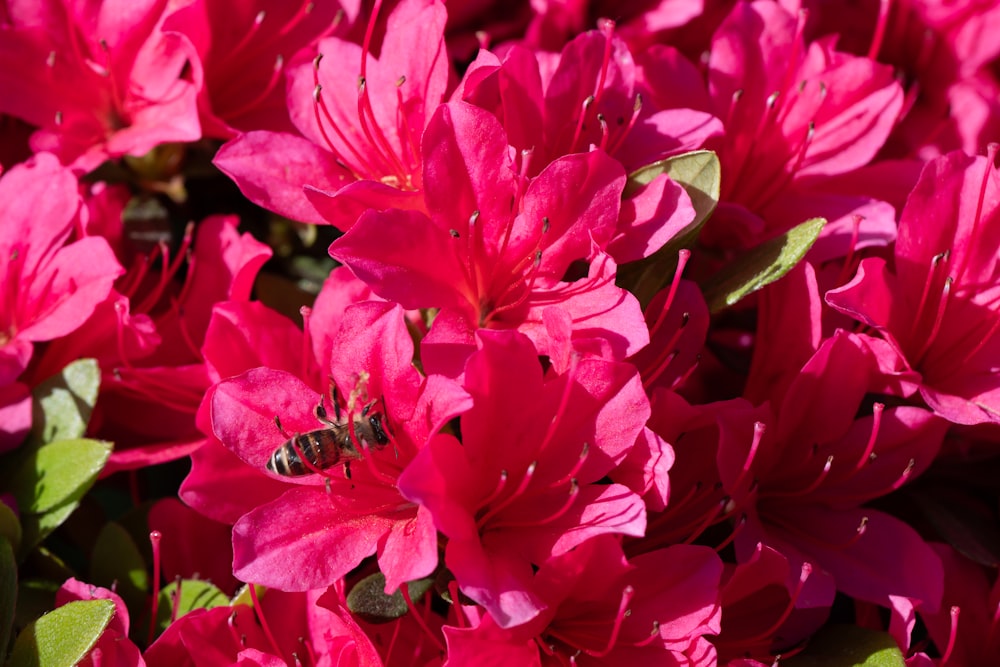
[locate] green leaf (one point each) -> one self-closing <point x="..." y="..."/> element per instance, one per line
<point x="10" y="527"/>
<point x="116" y="562"/>
<point x="369" y="601"/>
<point x="8" y="592"/>
<point x="63" y="403"/>
<point x="761" y="266"/>
<point x="195" y="594"/>
<point x="700" y="174"/>
<point x="50" y="483"/>
<point x="59" y="472"/>
<point x="63" y="637"/>
<point x="849" y="646"/>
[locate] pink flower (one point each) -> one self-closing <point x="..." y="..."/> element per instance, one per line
<point x="800" y="476"/>
<point x="795" y="114"/>
<point x="323" y="525"/>
<point x="243" y="49"/>
<point x="48" y="285"/>
<point x="523" y="485"/>
<point x="936" y="303"/>
<point x="284" y="629"/>
<point x="495" y="247"/>
<point x="604" y="610"/>
<point x="113" y="648"/>
<point x="148" y="334"/>
<point x="587" y="96"/>
<point x="99" y="80"/>
<point x="359" y="145"/>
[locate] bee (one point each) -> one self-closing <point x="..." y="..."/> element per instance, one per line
<point x="328" y="446"/>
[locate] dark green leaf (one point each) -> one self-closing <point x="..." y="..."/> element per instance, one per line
<point x="8" y="592"/>
<point x="117" y="563"/>
<point x="64" y="636"/>
<point x="10" y="527"/>
<point x="699" y="173"/>
<point x="63" y="403"/>
<point x="761" y="266"/>
<point x="849" y="646"/>
<point x="369" y="601"/>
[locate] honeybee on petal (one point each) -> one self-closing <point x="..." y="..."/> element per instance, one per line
<point x="313" y="451"/>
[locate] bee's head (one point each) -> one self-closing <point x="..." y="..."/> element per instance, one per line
<point x="381" y="437"/>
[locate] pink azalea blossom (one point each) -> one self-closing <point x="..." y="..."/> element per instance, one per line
<point x="242" y="50"/>
<point x="795" y="113"/>
<point x="605" y="610"/>
<point x="346" y="518"/>
<point x="522" y="486"/>
<point x="147" y="337"/>
<point x="936" y="302"/>
<point x="800" y="474"/>
<point x="494" y="249"/>
<point x="286" y="628"/>
<point x="49" y="283"/>
<point x="99" y="80"/>
<point x="359" y="145"/>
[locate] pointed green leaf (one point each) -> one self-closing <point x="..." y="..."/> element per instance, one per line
<point x="849" y="646"/>
<point x="50" y="482"/>
<point x="8" y="592"/>
<point x="57" y="473"/>
<point x="63" y="403"/>
<point x="194" y="594"/>
<point x="369" y="601"/>
<point x="761" y="266"/>
<point x="116" y="562"/>
<point x="63" y="637"/>
<point x="10" y="527"/>
<point x="700" y="174"/>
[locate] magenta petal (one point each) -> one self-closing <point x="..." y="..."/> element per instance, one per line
<point x="500" y="582"/>
<point x="890" y="558"/>
<point x="409" y="550"/>
<point x="373" y="342"/>
<point x="652" y="216"/>
<point x="300" y="541"/>
<point x="416" y="265"/>
<point x="243" y="411"/>
<point x="15" y="415"/>
<point x="222" y="487"/>
<point x="277" y="184"/>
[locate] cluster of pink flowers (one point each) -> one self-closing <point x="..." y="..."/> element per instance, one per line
<point x="527" y="419"/>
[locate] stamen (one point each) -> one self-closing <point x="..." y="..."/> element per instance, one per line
<point x="521" y="488"/>
<point x="740" y="525"/>
<point x="847" y="268"/>
<point x="804" y="572"/>
<point x="816" y="483"/>
<point x="991" y="153"/>
<point x="307" y="353"/>
<point x="866" y="457"/>
<point x="177" y="599"/>
<point x="405" y="590"/>
<point x="627" y="594"/>
<point x="460" y="620"/>
<point x="154" y="540"/>
<point x="952" y="635"/>
<point x="574" y="493"/>
<point x="262" y="620"/>
<point x="880" y="26"/>
<point x="759" y="428"/>
<point x="938" y="319"/>
<point x="683" y="256"/>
